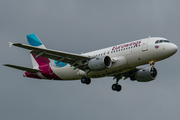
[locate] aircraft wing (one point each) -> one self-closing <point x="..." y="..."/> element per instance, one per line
<point x="75" y="60"/>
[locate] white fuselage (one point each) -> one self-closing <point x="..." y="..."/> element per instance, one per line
<point x="124" y="56"/>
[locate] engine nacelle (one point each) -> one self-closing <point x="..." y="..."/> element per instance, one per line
<point x="145" y="74"/>
<point x="100" y="63"/>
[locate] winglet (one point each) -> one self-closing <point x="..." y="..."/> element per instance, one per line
<point x="10" y="44"/>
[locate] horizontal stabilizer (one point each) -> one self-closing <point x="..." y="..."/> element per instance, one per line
<point x="22" y="68"/>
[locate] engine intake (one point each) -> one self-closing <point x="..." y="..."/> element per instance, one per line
<point x="145" y="74"/>
<point x="100" y="63"/>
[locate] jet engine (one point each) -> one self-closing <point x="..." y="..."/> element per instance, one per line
<point x="145" y="74"/>
<point x="100" y="63"/>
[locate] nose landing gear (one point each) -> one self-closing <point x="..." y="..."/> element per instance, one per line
<point x="152" y="63"/>
<point x="153" y="70"/>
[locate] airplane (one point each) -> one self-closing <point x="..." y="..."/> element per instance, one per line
<point x="116" y="61"/>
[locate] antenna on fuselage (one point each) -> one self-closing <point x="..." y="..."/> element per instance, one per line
<point x="149" y="37"/>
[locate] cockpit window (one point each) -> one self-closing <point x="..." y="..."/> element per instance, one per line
<point x="161" y="41"/>
<point x="157" y="41"/>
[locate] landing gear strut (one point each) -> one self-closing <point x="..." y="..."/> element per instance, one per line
<point x="153" y="72"/>
<point x="116" y="86"/>
<point x="152" y="63"/>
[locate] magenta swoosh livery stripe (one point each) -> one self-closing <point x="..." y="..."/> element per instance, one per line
<point x="41" y="60"/>
<point x="32" y="75"/>
<point x="45" y="68"/>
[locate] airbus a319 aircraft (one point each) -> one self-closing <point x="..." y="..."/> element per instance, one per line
<point x="117" y="61"/>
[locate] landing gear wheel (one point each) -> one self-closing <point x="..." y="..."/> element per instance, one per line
<point x="83" y="80"/>
<point x="86" y="80"/>
<point x="116" y="87"/>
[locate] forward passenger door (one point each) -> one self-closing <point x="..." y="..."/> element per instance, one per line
<point x="145" y="45"/>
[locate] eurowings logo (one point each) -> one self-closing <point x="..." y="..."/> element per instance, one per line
<point x="156" y="46"/>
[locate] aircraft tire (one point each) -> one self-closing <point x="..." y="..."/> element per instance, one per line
<point x="83" y="80"/>
<point x="116" y="87"/>
<point x="88" y="81"/>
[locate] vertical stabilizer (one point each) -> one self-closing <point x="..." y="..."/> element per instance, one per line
<point x="35" y="41"/>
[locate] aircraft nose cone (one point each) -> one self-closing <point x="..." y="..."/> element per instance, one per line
<point x="174" y="48"/>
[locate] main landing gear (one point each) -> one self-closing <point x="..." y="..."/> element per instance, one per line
<point x="116" y="86"/>
<point x="86" y="80"/>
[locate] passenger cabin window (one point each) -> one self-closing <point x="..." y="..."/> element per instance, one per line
<point x="161" y="41"/>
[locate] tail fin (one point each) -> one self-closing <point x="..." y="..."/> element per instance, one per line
<point x="35" y="41"/>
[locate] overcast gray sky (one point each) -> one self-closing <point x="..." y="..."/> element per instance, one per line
<point x="81" y="26"/>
